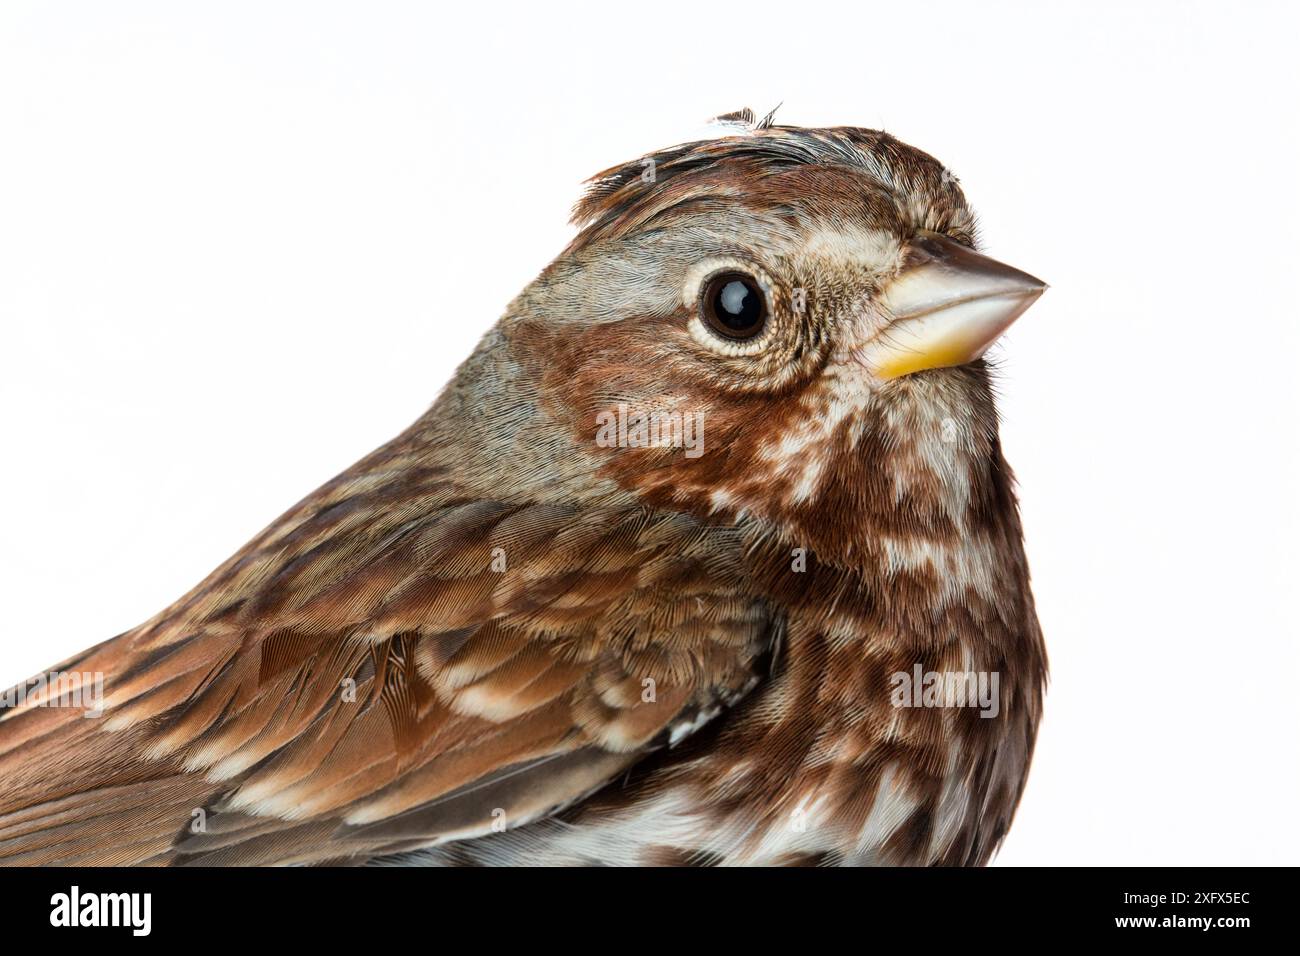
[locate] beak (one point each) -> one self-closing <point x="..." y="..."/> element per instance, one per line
<point x="948" y="305"/>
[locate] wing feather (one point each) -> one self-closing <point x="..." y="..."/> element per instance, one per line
<point x="346" y="688"/>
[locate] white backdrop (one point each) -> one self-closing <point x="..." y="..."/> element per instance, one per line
<point x="241" y="244"/>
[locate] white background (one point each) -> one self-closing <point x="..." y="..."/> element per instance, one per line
<point x="243" y="244"/>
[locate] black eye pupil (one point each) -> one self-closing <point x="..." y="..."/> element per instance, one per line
<point x="733" y="306"/>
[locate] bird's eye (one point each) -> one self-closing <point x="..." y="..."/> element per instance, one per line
<point x="733" y="306"/>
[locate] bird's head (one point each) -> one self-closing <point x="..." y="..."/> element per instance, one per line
<point x="781" y="322"/>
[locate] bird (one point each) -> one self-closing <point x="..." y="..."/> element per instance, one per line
<point x="647" y="584"/>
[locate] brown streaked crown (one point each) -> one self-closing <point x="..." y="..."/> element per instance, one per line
<point x="736" y="166"/>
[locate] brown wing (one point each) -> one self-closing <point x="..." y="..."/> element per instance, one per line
<point x="358" y="683"/>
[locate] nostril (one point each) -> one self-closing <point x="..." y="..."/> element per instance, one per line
<point x="928" y="243"/>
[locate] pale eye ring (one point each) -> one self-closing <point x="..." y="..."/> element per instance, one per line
<point x="731" y="303"/>
<point x="733" y="306"/>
